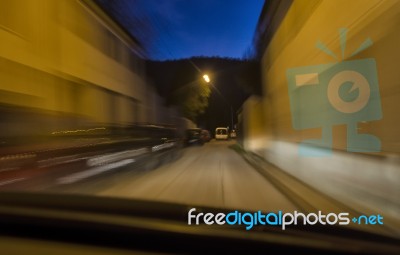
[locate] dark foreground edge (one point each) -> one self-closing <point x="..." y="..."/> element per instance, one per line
<point x="144" y="226"/>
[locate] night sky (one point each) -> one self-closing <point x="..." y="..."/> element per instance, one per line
<point x="174" y="29"/>
<point x="180" y="29"/>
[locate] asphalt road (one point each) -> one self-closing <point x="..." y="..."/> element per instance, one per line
<point x="212" y="175"/>
<point x="209" y="175"/>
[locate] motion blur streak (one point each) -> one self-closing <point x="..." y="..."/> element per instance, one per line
<point x="74" y="98"/>
<point x="11" y="181"/>
<point x="361" y="32"/>
<point x="79" y="113"/>
<point x="58" y="71"/>
<point x="105" y="159"/>
<point x="94" y="171"/>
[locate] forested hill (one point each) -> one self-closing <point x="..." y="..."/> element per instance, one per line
<point x="232" y="81"/>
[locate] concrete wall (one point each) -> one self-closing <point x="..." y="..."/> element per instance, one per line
<point x="68" y="57"/>
<point x="253" y="125"/>
<point x="370" y="179"/>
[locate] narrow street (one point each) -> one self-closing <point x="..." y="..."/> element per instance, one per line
<point x="209" y="175"/>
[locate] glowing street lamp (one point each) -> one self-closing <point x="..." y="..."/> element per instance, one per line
<point x="206" y="78"/>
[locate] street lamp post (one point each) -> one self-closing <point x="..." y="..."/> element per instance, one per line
<point x="207" y="79"/>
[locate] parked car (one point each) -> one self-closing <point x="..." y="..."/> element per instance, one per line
<point x="233" y="134"/>
<point x="221" y="133"/>
<point x="205" y="135"/>
<point x="193" y="137"/>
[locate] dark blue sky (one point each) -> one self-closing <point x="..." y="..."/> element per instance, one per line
<point x="176" y="29"/>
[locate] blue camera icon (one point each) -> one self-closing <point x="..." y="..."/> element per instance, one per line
<point x="334" y="94"/>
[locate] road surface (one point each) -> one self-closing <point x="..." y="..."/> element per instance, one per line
<point x="212" y="175"/>
<point x="209" y="175"/>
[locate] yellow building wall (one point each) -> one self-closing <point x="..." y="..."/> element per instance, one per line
<point x="359" y="180"/>
<point x="294" y="45"/>
<point x="253" y="124"/>
<point x="62" y="56"/>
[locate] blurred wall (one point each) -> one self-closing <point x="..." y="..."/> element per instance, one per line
<point x="67" y="58"/>
<point x="253" y="124"/>
<point x="366" y="179"/>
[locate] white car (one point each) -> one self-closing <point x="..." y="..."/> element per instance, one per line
<point x="221" y="133"/>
